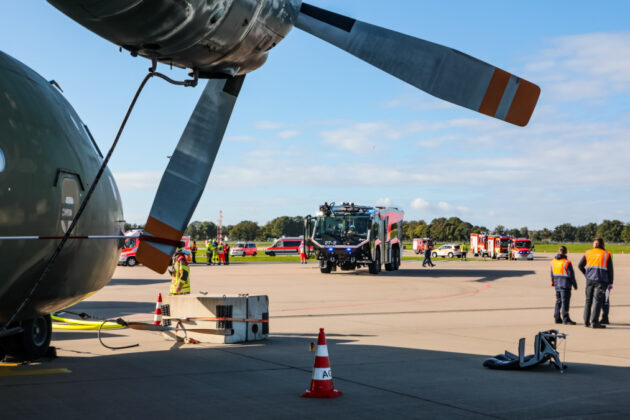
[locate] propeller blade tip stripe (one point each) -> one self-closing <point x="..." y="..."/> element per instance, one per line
<point x="523" y="104"/>
<point x="160" y="229"/>
<point x="152" y="258"/>
<point x="494" y="93"/>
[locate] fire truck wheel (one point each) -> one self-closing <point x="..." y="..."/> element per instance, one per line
<point x="325" y="269"/>
<point x="375" y="267"/>
<point x="131" y="261"/>
<point x="397" y="259"/>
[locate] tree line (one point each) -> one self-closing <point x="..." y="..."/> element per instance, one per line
<point x="441" y="229"/>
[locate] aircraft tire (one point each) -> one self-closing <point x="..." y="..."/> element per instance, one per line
<point x="33" y="342"/>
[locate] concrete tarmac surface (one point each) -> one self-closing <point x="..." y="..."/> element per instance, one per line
<point x="405" y="344"/>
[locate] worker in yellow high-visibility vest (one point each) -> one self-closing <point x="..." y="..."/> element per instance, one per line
<point x="180" y="273"/>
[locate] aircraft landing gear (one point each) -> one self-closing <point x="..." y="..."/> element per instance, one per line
<point x="33" y="342"/>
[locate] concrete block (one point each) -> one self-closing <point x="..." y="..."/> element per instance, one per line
<point x="244" y="316"/>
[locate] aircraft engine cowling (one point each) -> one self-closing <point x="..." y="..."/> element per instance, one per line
<point x="215" y="37"/>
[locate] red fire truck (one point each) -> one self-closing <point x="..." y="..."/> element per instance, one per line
<point x="350" y="236"/>
<point x="522" y="249"/>
<point x="479" y="244"/>
<point x="498" y="246"/>
<point x="420" y="244"/>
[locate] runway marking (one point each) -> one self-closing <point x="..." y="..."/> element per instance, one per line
<point x="9" y="369"/>
<point x="386" y="302"/>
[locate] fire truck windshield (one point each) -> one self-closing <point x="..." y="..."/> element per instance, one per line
<point x="523" y="244"/>
<point x="505" y="242"/>
<point x="341" y="230"/>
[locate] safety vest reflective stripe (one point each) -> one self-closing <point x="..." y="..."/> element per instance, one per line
<point x="597" y="258"/>
<point x="560" y="267"/>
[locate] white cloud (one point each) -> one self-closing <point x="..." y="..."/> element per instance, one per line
<point x="384" y="202"/>
<point x="241" y="139"/>
<point x="419" y="204"/>
<point x="268" y="125"/>
<point x="137" y="180"/>
<point x="587" y="66"/>
<point x="288" y="134"/>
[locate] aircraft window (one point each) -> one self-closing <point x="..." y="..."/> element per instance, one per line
<point x="2" y="161"/>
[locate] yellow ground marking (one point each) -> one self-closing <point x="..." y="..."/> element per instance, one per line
<point x="11" y="369"/>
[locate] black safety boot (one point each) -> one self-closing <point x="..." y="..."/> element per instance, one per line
<point x="568" y="321"/>
<point x="558" y="321"/>
<point x="598" y="325"/>
<point x="604" y="321"/>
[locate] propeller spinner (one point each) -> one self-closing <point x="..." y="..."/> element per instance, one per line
<point x="222" y="40"/>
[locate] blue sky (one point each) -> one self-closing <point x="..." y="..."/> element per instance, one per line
<point x="316" y="124"/>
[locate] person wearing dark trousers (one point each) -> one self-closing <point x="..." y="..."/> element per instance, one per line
<point x="427" y="257"/>
<point x="193" y="251"/>
<point x="226" y="249"/>
<point x="562" y="278"/>
<point x="597" y="267"/>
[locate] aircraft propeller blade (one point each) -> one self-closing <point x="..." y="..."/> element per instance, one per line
<point x="187" y="172"/>
<point x="438" y="70"/>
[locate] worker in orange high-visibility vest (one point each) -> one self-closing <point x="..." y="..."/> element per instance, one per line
<point x="597" y="266"/>
<point x="562" y="278"/>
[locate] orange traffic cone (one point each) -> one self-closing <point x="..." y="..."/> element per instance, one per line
<point x="157" y="318"/>
<point x="322" y="382"/>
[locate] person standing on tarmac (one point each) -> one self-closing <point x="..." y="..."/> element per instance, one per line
<point x="180" y="273"/>
<point x="193" y="252"/>
<point x="215" y="253"/>
<point x="221" y="252"/>
<point x="562" y="278"/>
<point x="597" y="267"/>
<point x="302" y="251"/>
<point x="226" y="249"/>
<point x="427" y="257"/>
<point x="208" y="252"/>
<point x="464" y="249"/>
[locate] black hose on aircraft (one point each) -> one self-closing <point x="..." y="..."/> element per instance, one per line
<point x="53" y="258"/>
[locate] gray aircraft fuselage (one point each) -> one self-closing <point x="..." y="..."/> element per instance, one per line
<point x="49" y="162"/>
<point x="217" y="38"/>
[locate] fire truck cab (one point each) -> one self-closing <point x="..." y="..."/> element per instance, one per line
<point x="350" y="236"/>
<point x="522" y="249"/>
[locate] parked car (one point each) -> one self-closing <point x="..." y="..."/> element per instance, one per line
<point x="244" y="249"/>
<point x="284" y="246"/>
<point x="447" y="250"/>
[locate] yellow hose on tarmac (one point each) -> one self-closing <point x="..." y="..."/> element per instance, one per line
<point x="76" y="324"/>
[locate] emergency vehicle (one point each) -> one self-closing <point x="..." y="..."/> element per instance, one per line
<point x="350" y="236"/>
<point x="284" y="246"/>
<point x="130" y="248"/>
<point x="479" y="244"/>
<point x="420" y="244"/>
<point x="498" y="246"/>
<point x="522" y="249"/>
